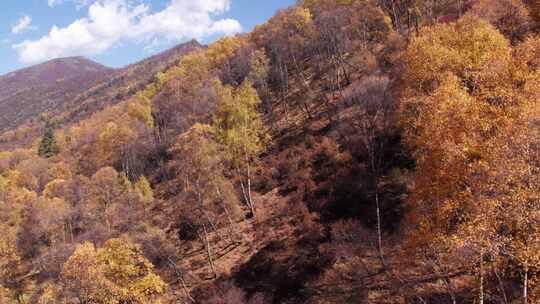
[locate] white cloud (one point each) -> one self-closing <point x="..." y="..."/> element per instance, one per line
<point x="23" y="24"/>
<point x="54" y="2"/>
<point x="111" y="22"/>
<point x="79" y="3"/>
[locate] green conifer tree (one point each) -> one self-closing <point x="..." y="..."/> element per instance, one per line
<point x="48" y="147"/>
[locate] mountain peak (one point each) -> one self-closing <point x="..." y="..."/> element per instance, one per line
<point x="73" y="85"/>
<point x="30" y="91"/>
<point x="52" y="70"/>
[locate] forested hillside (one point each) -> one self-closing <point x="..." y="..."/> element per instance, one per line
<point x="346" y="151"/>
<point x="30" y="92"/>
<point x="65" y="91"/>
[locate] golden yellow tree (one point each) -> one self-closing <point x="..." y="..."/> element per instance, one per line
<point x="114" y="274"/>
<point x="82" y="277"/>
<point x="511" y="17"/>
<point x="238" y="126"/>
<point x="465" y="101"/>
<point x="130" y="272"/>
<point x="465" y="49"/>
<point x="113" y="141"/>
<point x="107" y="187"/>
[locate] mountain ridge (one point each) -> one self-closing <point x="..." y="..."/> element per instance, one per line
<point x="90" y="61"/>
<point x="72" y="88"/>
<point x="59" y="60"/>
<point x="33" y="90"/>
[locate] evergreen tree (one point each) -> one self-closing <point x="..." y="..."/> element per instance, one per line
<point x="47" y="146"/>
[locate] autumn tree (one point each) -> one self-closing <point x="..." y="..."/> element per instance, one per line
<point x="113" y="143"/>
<point x="55" y="216"/>
<point x="372" y="122"/>
<point x="284" y="38"/>
<point x="130" y="272"/>
<point x="145" y="189"/>
<point x="405" y="15"/>
<point x="201" y="168"/>
<point x="83" y="276"/>
<point x="33" y="173"/>
<point x="9" y="263"/>
<point x="455" y="48"/>
<point x="516" y="164"/>
<point x="116" y="273"/>
<point x="461" y="104"/>
<point x="31" y="239"/>
<point x="201" y="171"/>
<point x="534" y="6"/>
<point x="105" y="139"/>
<point x="187" y="96"/>
<point x="107" y="186"/>
<point x="59" y="170"/>
<point x="346" y="29"/>
<point x="258" y="74"/>
<point x="238" y="126"/>
<point x="511" y="17"/>
<point x="141" y="110"/>
<point x="222" y="53"/>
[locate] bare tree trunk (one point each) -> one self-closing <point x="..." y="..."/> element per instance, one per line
<point x="107" y="220"/>
<point x="451" y="290"/>
<point x="437" y="269"/>
<point x="232" y="232"/>
<point x="374" y="169"/>
<point x="208" y="248"/>
<point x="526" y="284"/>
<point x="379" y="230"/>
<point x="306" y="86"/>
<point x="501" y="285"/>
<point x="70" y="225"/>
<point x="460" y="8"/>
<point x="481" y="300"/>
<point x="213" y="226"/>
<point x="246" y="197"/>
<point x="395" y="16"/>
<point x="20" y="298"/>
<point x="249" y="189"/>
<point x="181" y="279"/>
<point x="64" y="232"/>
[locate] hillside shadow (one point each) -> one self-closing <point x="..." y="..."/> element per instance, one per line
<point x="282" y="270"/>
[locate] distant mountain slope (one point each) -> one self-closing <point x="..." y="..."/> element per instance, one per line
<point x="124" y="83"/>
<point x="27" y="93"/>
<point x="71" y="89"/>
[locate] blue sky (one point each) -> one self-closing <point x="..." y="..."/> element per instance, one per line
<point x="118" y="32"/>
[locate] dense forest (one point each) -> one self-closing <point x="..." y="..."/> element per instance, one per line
<point x="346" y="151"/>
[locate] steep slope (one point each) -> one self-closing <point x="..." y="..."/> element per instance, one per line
<point x="26" y="93"/>
<point x="307" y="162"/>
<point x="124" y="83"/>
<point x="71" y="89"/>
